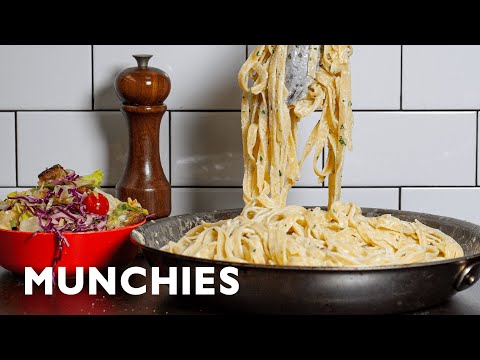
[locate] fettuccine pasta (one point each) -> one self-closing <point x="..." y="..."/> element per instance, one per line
<point x="269" y="232"/>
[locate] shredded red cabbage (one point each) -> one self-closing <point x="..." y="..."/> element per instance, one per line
<point x="71" y="176"/>
<point x="60" y="218"/>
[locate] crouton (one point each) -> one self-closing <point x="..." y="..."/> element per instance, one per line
<point x="56" y="172"/>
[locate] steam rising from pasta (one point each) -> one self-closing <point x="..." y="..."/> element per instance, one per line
<point x="269" y="232"/>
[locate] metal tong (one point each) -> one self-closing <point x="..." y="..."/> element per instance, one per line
<point x="297" y="79"/>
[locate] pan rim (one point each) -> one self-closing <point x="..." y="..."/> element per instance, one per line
<point x="336" y="269"/>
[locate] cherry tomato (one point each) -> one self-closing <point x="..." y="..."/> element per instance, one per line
<point x="96" y="203"/>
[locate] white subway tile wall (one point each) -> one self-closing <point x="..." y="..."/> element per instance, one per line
<point x="366" y="197"/>
<point x="83" y="141"/>
<point x="7" y="149"/>
<point x="441" y="77"/>
<point x="204" y="77"/>
<point x="307" y="175"/>
<point x="4" y="191"/>
<point x="415" y="136"/>
<point x="206" y="149"/>
<point x="412" y="149"/>
<point x="461" y="203"/>
<point x="43" y="77"/>
<point x="188" y="200"/>
<point x="376" y="77"/>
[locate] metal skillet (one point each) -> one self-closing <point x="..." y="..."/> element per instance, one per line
<point x="324" y="290"/>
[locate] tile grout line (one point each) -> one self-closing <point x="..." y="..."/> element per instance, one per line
<point x="93" y="79"/>
<point x="170" y="147"/>
<point x="16" y="149"/>
<point x="233" y="110"/>
<point x="401" y="77"/>
<point x="295" y="187"/>
<point x="476" y="153"/>
<point x="399" y="198"/>
<point x="343" y="187"/>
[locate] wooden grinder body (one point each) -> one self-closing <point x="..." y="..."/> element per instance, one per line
<point x="143" y="90"/>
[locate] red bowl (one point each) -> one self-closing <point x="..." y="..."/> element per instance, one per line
<point x="100" y="249"/>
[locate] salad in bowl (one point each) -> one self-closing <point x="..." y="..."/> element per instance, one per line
<point x="64" y="203"/>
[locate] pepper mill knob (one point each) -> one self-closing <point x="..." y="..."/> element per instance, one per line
<point x="142" y="85"/>
<point x="142" y="90"/>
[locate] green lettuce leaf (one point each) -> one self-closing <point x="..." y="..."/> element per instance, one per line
<point x="91" y="181"/>
<point x="11" y="219"/>
<point x="12" y="194"/>
<point x="30" y="224"/>
<point x="5" y="221"/>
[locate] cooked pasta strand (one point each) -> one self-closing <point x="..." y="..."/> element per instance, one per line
<point x="269" y="232"/>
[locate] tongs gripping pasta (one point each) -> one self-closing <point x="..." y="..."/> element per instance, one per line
<point x="300" y="69"/>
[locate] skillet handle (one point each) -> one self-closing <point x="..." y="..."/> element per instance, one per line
<point x="468" y="276"/>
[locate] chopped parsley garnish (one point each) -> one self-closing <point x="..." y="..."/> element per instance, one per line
<point x="341" y="141"/>
<point x="289" y="56"/>
<point x="261" y="158"/>
<point x="279" y="173"/>
<point x="342" y="127"/>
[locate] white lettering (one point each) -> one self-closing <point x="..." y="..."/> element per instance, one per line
<point x="62" y="281"/>
<point x="201" y="281"/>
<point x="124" y="281"/>
<point x="95" y="276"/>
<point x="229" y="280"/>
<point x="186" y="281"/>
<point x="45" y="276"/>
<point x="170" y="280"/>
<point x="204" y="280"/>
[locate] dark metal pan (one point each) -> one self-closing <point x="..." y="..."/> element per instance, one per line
<point x="317" y="290"/>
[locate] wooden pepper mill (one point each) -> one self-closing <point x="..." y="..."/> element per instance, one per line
<point x="143" y="90"/>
